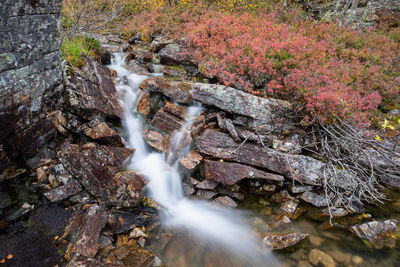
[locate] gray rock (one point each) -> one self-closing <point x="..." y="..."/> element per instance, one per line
<point x="280" y="241"/>
<point x="225" y="201"/>
<point x="71" y="188"/>
<point x="315" y="199"/>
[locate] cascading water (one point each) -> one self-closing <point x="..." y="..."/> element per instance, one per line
<point x="222" y="228"/>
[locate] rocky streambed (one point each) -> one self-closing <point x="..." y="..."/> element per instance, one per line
<point x="78" y="201"/>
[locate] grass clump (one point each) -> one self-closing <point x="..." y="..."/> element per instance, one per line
<point x="73" y="49"/>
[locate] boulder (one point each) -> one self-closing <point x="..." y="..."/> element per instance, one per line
<point x="177" y="91"/>
<point x="135" y="67"/>
<point x="92" y="92"/>
<point x="229" y="173"/>
<point x="205" y="194"/>
<point x="94" y="220"/>
<point x="95" y="167"/>
<point x="377" y="232"/>
<point x="174" y="71"/>
<point x="239" y="102"/>
<point x="280" y="241"/>
<point x="319" y="258"/>
<point x="300" y="168"/>
<point x="104" y="134"/>
<point x="174" y="55"/>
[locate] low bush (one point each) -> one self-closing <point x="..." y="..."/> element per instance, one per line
<point x="73" y="49"/>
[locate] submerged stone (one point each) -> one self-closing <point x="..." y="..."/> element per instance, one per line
<point x="319" y="258"/>
<point x="377" y="232"/>
<point x="280" y="241"/>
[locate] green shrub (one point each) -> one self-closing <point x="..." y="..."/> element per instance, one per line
<point x="74" y="48"/>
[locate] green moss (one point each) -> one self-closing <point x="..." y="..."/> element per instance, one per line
<point x="74" y="48"/>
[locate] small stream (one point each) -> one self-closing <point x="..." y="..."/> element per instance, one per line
<point x="211" y="226"/>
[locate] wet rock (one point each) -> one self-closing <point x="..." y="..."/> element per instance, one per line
<point x="230" y="173"/>
<point x="142" y="55"/>
<point x="25" y="208"/>
<point x="135" y="67"/>
<point x="71" y="188"/>
<point x="335" y="212"/>
<point x="289" y="207"/>
<point x="319" y="258"/>
<point x="95" y="166"/>
<point x="169" y="118"/>
<point x="144" y="104"/>
<point x="315" y="240"/>
<point x="238" y="102"/>
<point x="104" y="134"/>
<point x="188" y="190"/>
<point x="191" y="161"/>
<point x="177" y="91"/>
<point x="284" y="220"/>
<point x="205" y="194"/>
<point x="315" y="199"/>
<point x="175" y="144"/>
<point x="225" y="201"/>
<point x="94" y="220"/>
<point x="280" y="241"/>
<point x="296" y="167"/>
<point x="160" y="42"/>
<point x="154" y="139"/>
<point x="207" y="184"/>
<point x="377" y="232"/>
<point x="93" y="92"/>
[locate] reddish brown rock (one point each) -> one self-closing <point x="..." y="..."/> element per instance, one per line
<point x="230" y="173"/>
<point x="103" y="133"/>
<point x="169" y="118"/>
<point x="191" y="160"/>
<point x="71" y="188"/>
<point x="144" y="104"/>
<point x="178" y="91"/>
<point x="94" y="220"/>
<point x="95" y="166"/>
<point x="130" y="188"/>
<point x="279" y="241"/>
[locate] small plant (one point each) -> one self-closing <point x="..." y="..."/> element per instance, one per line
<point x="74" y="48"/>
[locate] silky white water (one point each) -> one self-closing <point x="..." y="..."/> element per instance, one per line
<point x="219" y="227"/>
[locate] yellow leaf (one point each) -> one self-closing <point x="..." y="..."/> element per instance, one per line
<point x="56" y="237"/>
<point x="378" y="138"/>
<point x="2" y="260"/>
<point x="9" y="257"/>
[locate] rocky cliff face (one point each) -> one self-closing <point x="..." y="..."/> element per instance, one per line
<point x="30" y="74"/>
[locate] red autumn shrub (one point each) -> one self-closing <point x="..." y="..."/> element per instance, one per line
<point x="330" y="71"/>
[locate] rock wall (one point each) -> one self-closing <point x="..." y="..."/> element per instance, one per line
<point x="30" y="75"/>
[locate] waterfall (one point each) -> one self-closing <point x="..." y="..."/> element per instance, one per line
<point x="225" y="228"/>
